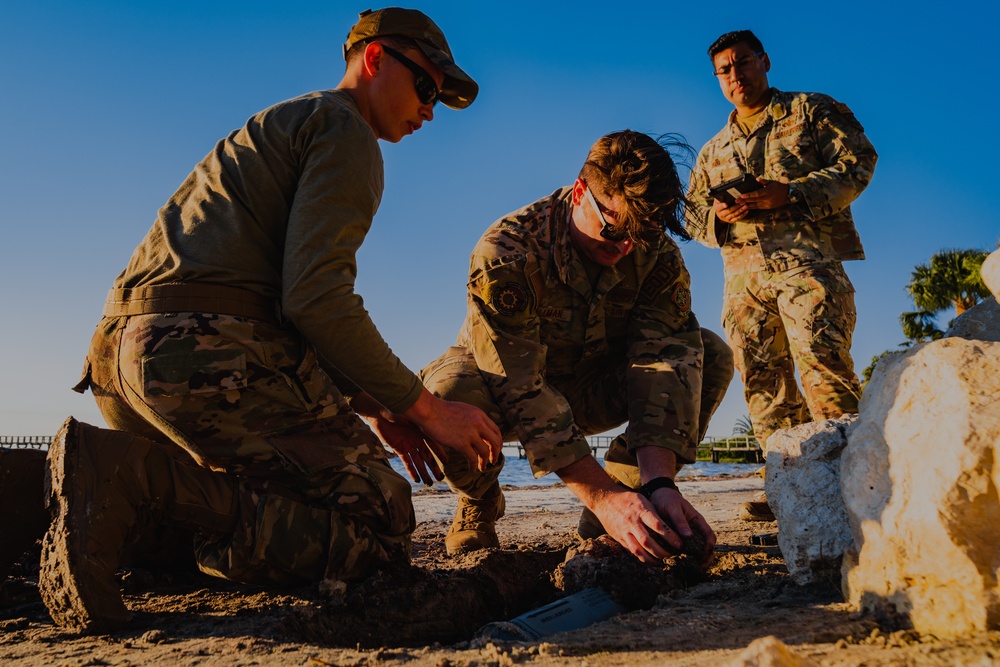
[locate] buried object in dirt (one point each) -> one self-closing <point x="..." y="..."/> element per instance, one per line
<point x="573" y="612"/>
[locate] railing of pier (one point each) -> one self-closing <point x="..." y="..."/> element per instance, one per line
<point x="745" y="446"/>
<point x="25" y="441"/>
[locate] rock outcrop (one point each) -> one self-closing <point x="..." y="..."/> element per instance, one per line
<point x="769" y="652"/>
<point x="991" y="273"/>
<point x="802" y="483"/>
<point x="920" y="480"/>
<point x="981" y="322"/>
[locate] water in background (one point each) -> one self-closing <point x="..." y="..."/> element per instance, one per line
<point x="517" y="472"/>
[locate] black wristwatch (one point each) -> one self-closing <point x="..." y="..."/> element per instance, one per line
<point x="794" y="195"/>
<point x="656" y="484"/>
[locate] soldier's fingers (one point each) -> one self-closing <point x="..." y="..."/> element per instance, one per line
<point x="485" y="452"/>
<point x="677" y="520"/>
<point x="493" y="438"/>
<point x="484" y="461"/>
<point x="659" y="545"/>
<point x="421" y="464"/>
<point x="438" y="449"/>
<point x="638" y="550"/>
<point x="664" y="536"/>
<point x="411" y="468"/>
<point x="431" y="463"/>
<point x="701" y="525"/>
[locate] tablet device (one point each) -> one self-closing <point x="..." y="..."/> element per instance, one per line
<point x="728" y="192"/>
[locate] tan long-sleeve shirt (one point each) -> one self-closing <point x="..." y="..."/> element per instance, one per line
<point x="280" y="207"/>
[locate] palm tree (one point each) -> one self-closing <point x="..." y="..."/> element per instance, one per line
<point x="950" y="279"/>
<point x="919" y="327"/>
<point x="743" y="426"/>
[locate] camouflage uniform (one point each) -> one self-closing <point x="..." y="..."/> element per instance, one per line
<point x="788" y="301"/>
<point x="552" y="357"/>
<point x="245" y="397"/>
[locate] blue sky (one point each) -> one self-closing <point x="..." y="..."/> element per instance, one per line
<point x="106" y="106"/>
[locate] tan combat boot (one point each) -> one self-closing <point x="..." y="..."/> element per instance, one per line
<point x="102" y="486"/>
<point x="23" y="517"/>
<point x="474" y="524"/>
<point x="756" y="509"/>
<point x="590" y="527"/>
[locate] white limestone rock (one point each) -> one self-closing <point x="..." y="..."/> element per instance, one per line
<point x="769" y="652"/>
<point x="920" y="480"/>
<point x="802" y="483"/>
<point x="991" y="272"/>
<point x="981" y="322"/>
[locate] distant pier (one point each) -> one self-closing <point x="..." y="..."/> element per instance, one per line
<point x="741" y="447"/>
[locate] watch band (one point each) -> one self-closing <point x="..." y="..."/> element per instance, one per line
<point x="794" y="195"/>
<point x="656" y="484"/>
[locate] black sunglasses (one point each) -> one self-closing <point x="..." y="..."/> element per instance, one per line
<point x="427" y="90"/>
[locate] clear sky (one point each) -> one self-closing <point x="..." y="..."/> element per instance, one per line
<point x="106" y="106"/>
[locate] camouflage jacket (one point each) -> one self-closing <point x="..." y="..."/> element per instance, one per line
<point x="535" y="323"/>
<point x="280" y="207"/>
<point x="814" y="144"/>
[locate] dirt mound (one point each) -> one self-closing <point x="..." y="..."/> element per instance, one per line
<point x="603" y="563"/>
<point x="416" y="606"/>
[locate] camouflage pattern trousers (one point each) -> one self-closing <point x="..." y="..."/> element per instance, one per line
<point x="598" y="398"/>
<point x="314" y="495"/>
<point x="803" y="318"/>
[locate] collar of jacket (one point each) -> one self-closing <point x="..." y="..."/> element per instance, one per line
<point x="777" y="108"/>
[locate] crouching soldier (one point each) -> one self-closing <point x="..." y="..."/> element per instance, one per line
<point x="579" y="319"/>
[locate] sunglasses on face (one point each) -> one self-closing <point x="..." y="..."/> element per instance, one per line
<point x="427" y="90"/>
<point x="610" y="232"/>
<point x="649" y="236"/>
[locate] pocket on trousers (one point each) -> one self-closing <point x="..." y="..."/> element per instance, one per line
<point x="198" y="372"/>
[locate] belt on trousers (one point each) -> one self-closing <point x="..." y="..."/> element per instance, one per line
<point x="191" y="298"/>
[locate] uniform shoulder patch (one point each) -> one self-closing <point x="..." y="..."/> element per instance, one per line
<point x="848" y="115"/>
<point x="682" y="297"/>
<point x="657" y="281"/>
<point x="509" y="299"/>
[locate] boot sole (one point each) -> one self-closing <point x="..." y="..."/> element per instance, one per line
<point x="74" y="600"/>
<point x="476" y="542"/>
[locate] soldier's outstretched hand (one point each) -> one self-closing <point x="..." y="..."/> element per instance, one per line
<point x="420" y="457"/>
<point x="684" y="520"/>
<point x="633" y="522"/>
<point x="458" y="426"/>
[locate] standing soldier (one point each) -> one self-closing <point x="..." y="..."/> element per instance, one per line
<point x="235" y="358"/>
<point x="579" y="319"/>
<point x="788" y="301"/>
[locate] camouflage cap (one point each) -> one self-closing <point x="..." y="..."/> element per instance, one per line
<point x="459" y="90"/>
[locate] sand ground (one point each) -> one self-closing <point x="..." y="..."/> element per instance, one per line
<point x="191" y="619"/>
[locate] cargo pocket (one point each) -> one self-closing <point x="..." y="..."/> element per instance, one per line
<point x="200" y="372"/>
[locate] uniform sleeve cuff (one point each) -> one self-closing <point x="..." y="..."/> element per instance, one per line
<point x="564" y="455"/>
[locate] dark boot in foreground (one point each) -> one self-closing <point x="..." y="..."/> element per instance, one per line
<point x="474" y="525"/>
<point x="23" y="517"/>
<point x="101" y="486"/>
